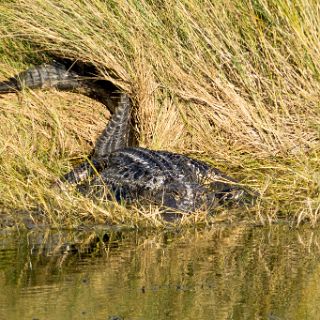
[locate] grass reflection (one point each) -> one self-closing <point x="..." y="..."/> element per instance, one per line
<point x="227" y="272"/>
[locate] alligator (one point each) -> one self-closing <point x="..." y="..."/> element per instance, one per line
<point x="118" y="169"/>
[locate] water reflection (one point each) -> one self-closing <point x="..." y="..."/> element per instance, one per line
<point x="221" y="273"/>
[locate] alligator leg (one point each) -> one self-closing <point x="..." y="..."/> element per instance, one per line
<point x="82" y="172"/>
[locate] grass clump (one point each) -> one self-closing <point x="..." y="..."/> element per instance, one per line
<point x="232" y="83"/>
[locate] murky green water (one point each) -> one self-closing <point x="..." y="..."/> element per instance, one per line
<point x="223" y="273"/>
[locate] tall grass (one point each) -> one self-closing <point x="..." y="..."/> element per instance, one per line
<point x="233" y="83"/>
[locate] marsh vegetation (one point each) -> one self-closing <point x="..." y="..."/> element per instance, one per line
<point x="233" y="83"/>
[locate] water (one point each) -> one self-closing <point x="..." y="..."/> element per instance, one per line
<point x="222" y="273"/>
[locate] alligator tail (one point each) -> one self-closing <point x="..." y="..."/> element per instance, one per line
<point x="45" y="76"/>
<point x="117" y="133"/>
<point x="8" y="86"/>
<point x="115" y="136"/>
<point x="65" y="76"/>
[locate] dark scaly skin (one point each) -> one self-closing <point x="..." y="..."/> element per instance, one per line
<point x="166" y="179"/>
<point x="67" y="76"/>
<point x="115" y="136"/>
<point x="161" y="177"/>
<point x="82" y="172"/>
<point x="82" y="78"/>
<point x="78" y="77"/>
<point x="44" y="76"/>
<point x="131" y="174"/>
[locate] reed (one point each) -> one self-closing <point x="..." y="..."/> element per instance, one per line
<point x="233" y="83"/>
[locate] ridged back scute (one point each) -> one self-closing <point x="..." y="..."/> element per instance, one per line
<point x="116" y="134"/>
<point x="43" y="76"/>
<point x="167" y="179"/>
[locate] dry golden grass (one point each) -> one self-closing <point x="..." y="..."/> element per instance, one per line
<point x="235" y="84"/>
